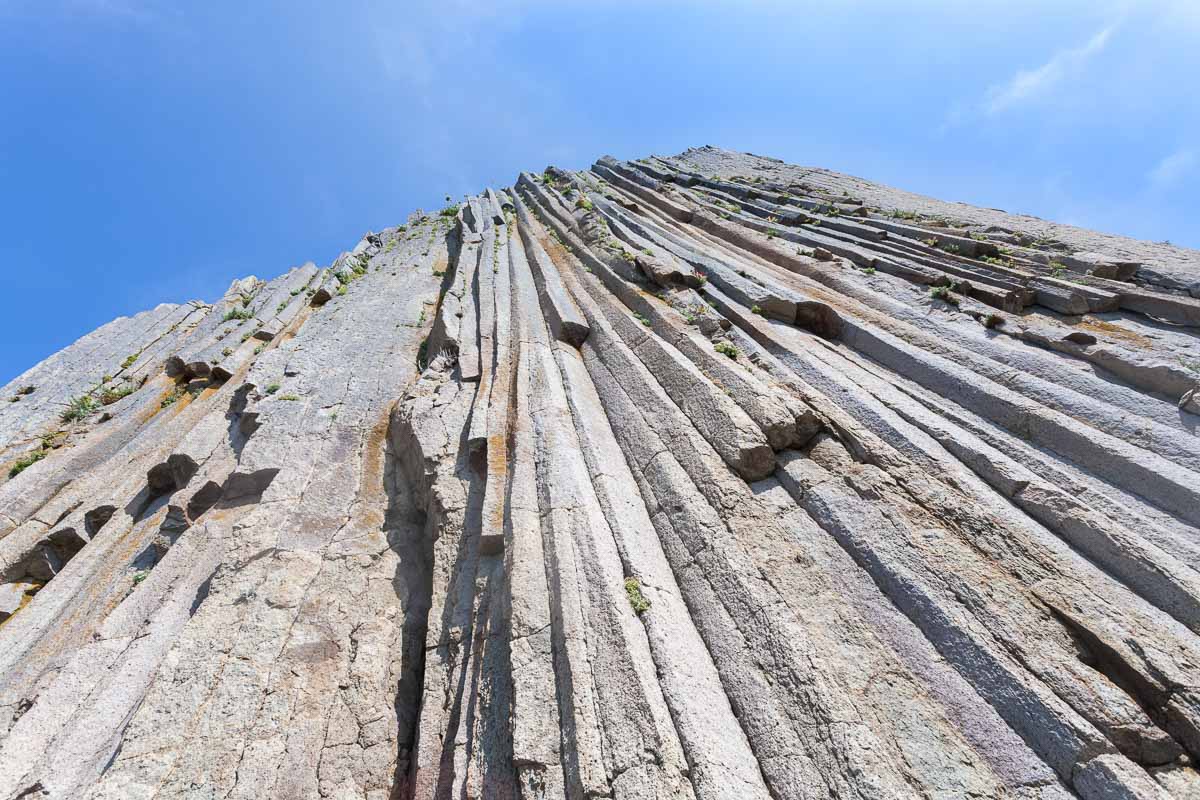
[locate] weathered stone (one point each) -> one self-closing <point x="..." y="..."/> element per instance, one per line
<point x="689" y="477"/>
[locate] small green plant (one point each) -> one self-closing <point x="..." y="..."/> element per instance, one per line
<point x="247" y="335"/>
<point x="584" y="203"/>
<point x="272" y="388"/>
<point x="637" y="600"/>
<point x="1057" y="269"/>
<point x="140" y="576"/>
<point x="869" y="271"/>
<point x="943" y="293"/>
<point x="641" y="318"/>
<point x="238" y="313"/>
<point x="727" y="349"/>
<point x="130" y="360"/>
<point x="422" y="357"/>
<point x="756" y="309"/>
<point x="993" y="321"/>
<point x="449" y="211"/>
<point x="78" y="408"/>
<point x="949" y="247"/>
<point x="282" y="305"/>
<point x="26" y="461"/>
<point x="295" y="292"/>
<point x="701" y="278"/>
<point x="930" y="242"/>
<point x="341" y="290"/>
<point x="258" y="349"/>
<point x="110" y="396"/>
<point x="289" y="397"/>
<point x="172" y="398"/>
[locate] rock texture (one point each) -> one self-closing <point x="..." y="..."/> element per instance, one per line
<point x="692" y="477"/>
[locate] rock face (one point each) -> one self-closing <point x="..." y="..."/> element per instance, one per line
<point x="692" y="477"/>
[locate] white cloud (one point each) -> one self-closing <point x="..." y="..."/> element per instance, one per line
<point x="1030" y="83"/>
<point x="1172" y="168"/>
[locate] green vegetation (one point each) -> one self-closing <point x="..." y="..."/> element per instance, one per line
<point x="725" y="348"/>
<point x="637" y="600"/>
<point x="1057" y="269"/>
<point x="130" y="360"/>
<point x="172" y="398"/>
<point x="259" y="349"/>
<point x="641" y="318"/>
<point x="111" y="395"/>
<point x="943" y="293"/>
<point x="756" y="309"/>
<point x="449" y="211"/>
<point x="993" y="321"/>
<point x="701" y="278"/>
<point x="584" y="203"/>
<point x="341" y="290"/>
<point x="272" y="388"/>
<point x="282" y="305"/>
<point x="422" y="357"/>
<point x="238" y="313"/>
<point x="26" y="461"/>
<point x="289" y="397"/>
<point x="78" y="408"/>
<point x="869" y="270"/>
<point x="140" y="576"/>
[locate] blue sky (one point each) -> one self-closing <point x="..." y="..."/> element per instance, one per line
<point x="153" y="151"/>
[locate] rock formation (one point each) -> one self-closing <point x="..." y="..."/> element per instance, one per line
<point x="693" y="477"/>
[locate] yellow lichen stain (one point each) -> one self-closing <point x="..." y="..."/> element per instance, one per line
<point x="26" y="599"/>
<point x="1126" y="336"/>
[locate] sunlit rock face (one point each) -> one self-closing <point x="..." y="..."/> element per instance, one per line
<point x="693" y="477"/>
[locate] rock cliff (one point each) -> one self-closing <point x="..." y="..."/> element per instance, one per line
<point x="693" y="477"/>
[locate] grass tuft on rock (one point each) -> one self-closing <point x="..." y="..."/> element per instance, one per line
<point x="637" y="600"/>
<point x="26" y="461"/>
<point x="78" y="408"/>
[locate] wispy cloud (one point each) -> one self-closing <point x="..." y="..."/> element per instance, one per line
<point x="1030" y="83"/>
<point x="1172" y="168"/>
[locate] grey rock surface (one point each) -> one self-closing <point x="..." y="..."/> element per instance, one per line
<point x="703" y="476"/>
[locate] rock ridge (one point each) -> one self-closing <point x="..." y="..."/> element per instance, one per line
<point x="702" y="476"/>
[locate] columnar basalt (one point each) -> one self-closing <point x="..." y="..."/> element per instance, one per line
<point x="694" y="477"/>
